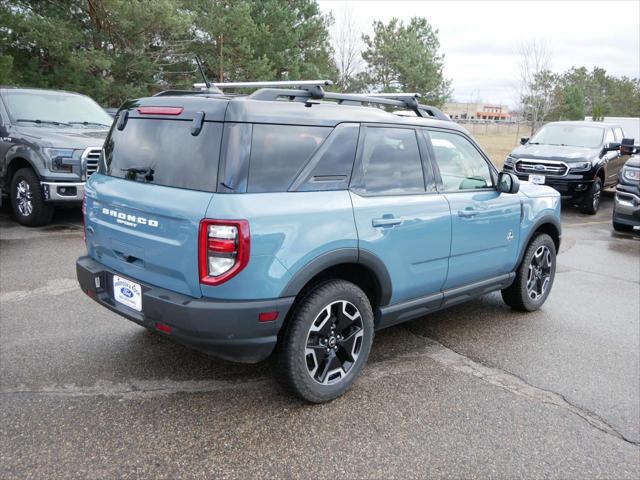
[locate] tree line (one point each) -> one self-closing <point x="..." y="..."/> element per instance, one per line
<point x="571" y="95"/>
<point x="112" y="50"/>
<point x="117" y="49"/>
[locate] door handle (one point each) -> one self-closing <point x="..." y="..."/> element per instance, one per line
<point x="467" y="213"/>
<point x="386" y="222"/>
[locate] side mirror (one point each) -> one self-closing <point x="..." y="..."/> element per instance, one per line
<point x="524" y="140"/>
<point x="508" y="183"/>
<point x="627" y="146"/>
<point x="611" y="146"/>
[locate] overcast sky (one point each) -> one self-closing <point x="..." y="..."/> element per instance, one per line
<point x="480" y="39"/>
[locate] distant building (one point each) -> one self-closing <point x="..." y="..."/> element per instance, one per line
<point x="476" y="111"/>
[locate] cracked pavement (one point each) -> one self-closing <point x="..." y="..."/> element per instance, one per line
<point x="474" y="391"/>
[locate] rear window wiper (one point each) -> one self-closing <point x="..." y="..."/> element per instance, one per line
<point x="49" y="122"/>
<point x="90" y="123"/>
<point x="133" y="172"/>
<point x="137" y="170"/>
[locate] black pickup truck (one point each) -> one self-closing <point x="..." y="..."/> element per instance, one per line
<point x="578" y="159"/>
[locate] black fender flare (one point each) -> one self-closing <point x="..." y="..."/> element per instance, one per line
<point x="544" y="220"/>
<point x="338" y="257"/>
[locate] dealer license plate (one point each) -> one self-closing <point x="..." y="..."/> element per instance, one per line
<point x="537" y="179"/>
<point x="127" y="293"/>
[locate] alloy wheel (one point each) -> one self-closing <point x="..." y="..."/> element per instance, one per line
<point x="23" y="198"/>
<point x="539" y="275"/>
<point x="596" y="197"/>
<point x="334" y="342"/>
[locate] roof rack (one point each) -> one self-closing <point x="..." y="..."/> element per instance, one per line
<point x="408" y="101"/>
<point x="270" y="84"/>
<point x="305" y="90"/>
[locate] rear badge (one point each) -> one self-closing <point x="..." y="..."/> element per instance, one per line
<point x="130" y="220"/>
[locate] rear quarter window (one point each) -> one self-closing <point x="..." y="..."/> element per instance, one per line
<point x="164" y="152"/>
<point x="278" y="154"/>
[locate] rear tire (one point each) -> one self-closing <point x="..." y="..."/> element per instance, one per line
<point x="27" y="199"/>
<point x="534" y="277"/>
<point x="326" y="342"/>
<point x="622" y="227"/>
<point x="591" y="202"/>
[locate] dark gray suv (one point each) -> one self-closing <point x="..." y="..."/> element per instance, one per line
<point x="50" y="142"/>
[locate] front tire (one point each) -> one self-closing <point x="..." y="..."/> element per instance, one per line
<point x="591" y="202"/>
<point x="326" y="342"/>
<point x="27" y="199"/>
<point x="534" y="277"/>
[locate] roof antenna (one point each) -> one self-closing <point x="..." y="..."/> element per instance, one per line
<point x="208" y="87"/>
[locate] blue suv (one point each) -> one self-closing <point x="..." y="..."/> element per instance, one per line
<point x="297" y="222"/>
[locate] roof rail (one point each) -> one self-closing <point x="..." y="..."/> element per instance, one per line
<point x="270" y="84"/>
<point x="408" y="101"/>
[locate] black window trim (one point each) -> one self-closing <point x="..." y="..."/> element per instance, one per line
<point x="301" y="177"/>
<point x="493" y="171"/>
<point x="356" y="185"/>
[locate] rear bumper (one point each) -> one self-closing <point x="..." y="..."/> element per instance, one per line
<point x="225" y="329"/>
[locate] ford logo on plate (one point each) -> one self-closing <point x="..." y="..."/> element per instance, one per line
<point x="126" y="292"/>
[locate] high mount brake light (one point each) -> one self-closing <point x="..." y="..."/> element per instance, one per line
<point x="224" y="249"/>
<point x="160" y="110"/>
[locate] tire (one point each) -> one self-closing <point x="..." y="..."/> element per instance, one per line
<point x="27" y="199"/>
<point x="591" y="202"/>
<point x="520" y="294"/>
<point x="622" y="227"/>
<point x="319" y="364"/>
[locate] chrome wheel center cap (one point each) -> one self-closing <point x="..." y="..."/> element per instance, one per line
<point x="332" y="341"/>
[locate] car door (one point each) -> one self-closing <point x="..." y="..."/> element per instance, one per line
<point x="400" y="218"/>
<point x="622" y="158"/>
<point x="484" y="222"/>
<point x="612" y="159"/>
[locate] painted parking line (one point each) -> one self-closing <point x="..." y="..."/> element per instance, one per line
<point x="586" y="223"/>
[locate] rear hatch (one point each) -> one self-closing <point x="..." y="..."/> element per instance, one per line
<point x="154" y="184"/>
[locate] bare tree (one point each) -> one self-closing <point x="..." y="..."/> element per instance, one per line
<point x="348" y="45"/>
<point x="536" y="82"/>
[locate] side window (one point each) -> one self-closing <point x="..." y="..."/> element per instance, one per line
<point x="619" y="135"/>
<point x="331" y="165"/>
<point x="461" y="166"/>
<point x="609" y="137"/>
<point x="279" y="152"/>
<point x="390" y="162"/>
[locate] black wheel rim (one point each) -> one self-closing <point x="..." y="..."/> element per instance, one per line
<point x="539" y="275"/>
<point x="334" y="342"/>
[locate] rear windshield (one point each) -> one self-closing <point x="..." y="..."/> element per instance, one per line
<point x="164" y="152"/>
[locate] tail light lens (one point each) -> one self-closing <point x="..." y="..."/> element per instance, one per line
<point x="224" y="249"/>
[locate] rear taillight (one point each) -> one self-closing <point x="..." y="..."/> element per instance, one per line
<point x="223" y="250"/>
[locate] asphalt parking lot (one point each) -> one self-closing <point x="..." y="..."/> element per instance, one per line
<point x="474" y="391"/>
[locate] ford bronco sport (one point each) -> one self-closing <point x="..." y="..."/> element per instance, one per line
<point x="297" y="222"/>
<point x="50" y="142"/>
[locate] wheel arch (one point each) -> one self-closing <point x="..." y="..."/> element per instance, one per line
<point x="547" y="224"/>
<point x="360" y="267"/>
<point x="15" y="164"/>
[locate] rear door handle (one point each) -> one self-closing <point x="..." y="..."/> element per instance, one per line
<point x="467" y="213"/>
<point x="386" y="222"/>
